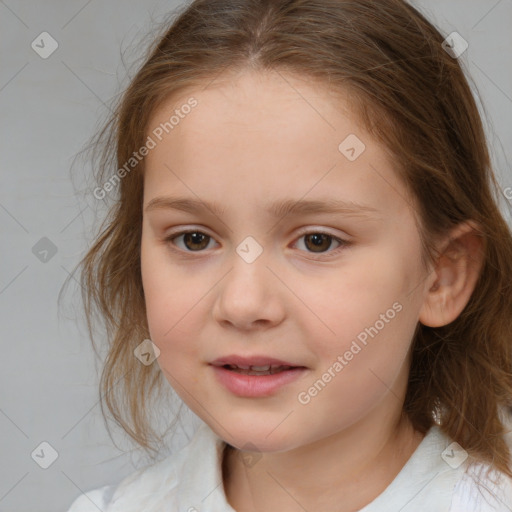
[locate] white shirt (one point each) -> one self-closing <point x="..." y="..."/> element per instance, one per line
<point x="191" y="481"/>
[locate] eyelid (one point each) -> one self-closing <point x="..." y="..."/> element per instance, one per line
<point x="325" y="231"/>
<point x="301" y="232"/>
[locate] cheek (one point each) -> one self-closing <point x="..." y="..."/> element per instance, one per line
<point x="164" y="300"/>
<point x="368" y="317"/>
<point x="368" y="293"/>
<point x="365" y="361"/>
<point x="177" y="304"/>
<point x="173" y="327"/>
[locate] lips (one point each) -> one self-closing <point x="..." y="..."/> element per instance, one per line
<point x="257" y="376"/>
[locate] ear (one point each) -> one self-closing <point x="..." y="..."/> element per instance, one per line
<point x="454" y="275"/>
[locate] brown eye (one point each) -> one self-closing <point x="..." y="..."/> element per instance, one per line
<point x="318" y="242"/>
<point x="194" y="241"/>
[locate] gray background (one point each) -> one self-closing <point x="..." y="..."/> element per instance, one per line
<point x="49" y="109"/>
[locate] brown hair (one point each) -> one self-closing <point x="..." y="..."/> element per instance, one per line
<point x="411" y="95"/>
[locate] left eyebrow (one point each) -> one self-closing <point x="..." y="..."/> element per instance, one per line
<point x="276" y="209"/>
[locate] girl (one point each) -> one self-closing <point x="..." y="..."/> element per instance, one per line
<point x="305" y="243"/>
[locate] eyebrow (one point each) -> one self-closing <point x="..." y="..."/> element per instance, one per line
<point x="277" y="209"/>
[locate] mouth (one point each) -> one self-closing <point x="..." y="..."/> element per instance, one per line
<point x="255" y="377"/>
<point x="255" y="365"/>
<point x="258" y="370"/>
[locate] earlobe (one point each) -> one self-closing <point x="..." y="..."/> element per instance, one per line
<point x="454" y="277"/>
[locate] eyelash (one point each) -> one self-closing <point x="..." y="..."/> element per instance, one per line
<point x="320" y="255"/>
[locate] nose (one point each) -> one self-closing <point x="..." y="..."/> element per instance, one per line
<point x="250" y="296"/>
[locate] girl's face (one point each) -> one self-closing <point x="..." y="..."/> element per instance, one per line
<point x="336" y="290"/>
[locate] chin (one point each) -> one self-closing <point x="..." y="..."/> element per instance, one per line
<point x="253" y="437"/>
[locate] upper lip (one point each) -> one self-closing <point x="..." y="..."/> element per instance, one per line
<point x="251" y="361"/>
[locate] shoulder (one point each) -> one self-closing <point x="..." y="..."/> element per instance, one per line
<point x="145" y="481"/>
<point x="139" y="483"/>
<point x="93" y="501"/>
<point x="151" y="487"/>
<point x="482" y="490"/>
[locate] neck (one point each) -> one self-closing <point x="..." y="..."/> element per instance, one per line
<point x="344" y="471"/>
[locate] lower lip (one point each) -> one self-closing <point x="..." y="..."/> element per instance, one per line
<point x="255" y="385"/>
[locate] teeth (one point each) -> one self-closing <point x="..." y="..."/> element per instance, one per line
<point x="255" y="370"/>
<point x="261" y="368"/>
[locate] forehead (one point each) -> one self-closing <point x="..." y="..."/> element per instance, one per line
<point x="267" y="135"/>
<point x="270" y="102"/>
